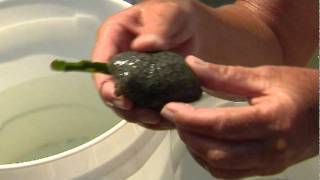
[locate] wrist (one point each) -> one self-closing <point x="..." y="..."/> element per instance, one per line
<point x="312" y="120"/>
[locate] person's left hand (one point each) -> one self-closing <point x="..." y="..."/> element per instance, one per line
<point x="146" y="26"/>
<point x="277" y="129"/>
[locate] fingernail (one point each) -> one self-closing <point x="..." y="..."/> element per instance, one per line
<point x="169" y="112"/>
<point x="120" y="104"/>
<point x="149" y="121"/>
<point x="109" y="104"/>
<point x="151" y="38"/>
<point x="148" y="39"/>
<point x="195" y="60"/>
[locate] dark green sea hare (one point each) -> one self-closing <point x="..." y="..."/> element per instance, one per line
<point x="149" y="80"/>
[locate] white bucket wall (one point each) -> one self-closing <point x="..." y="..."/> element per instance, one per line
<point x="41" y="108"/>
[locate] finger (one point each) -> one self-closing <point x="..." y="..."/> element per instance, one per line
<point x="114" y="36"/>
<point x="238" y="174"/>
<point x="199" y="159"/>
<point x="221" y="154"/>
<point x="156" y="42"/>
<point x="185" y="47"/>
<point x="140" y="115"/>
<point x="233" y="174"/>
<point x="162" y="125"/>
<point x="106" y="89"/>
<point x="226" y="96"/>
<point x="162" y="31"/>
<point x="233" y="123"/>
<point x="225" y="173"/>
<point x="149" y="42"/>
<point x="104" y="50"/>
<point x="228" y="79"/>
<point x="162" y="39"/>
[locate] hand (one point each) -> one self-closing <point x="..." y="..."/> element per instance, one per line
<point x="277" y="129"/>
<point x="252" y="30"/>
<point x="148" y="26"/>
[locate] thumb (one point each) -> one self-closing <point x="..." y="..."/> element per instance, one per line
<point x="150" y="42"/>
<point x="234" y="80"/>
<point x="159" y="34"/>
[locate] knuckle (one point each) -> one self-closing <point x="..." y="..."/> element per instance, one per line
<point x="276" y="154"/>
<point x="164" y="32"/>
<point x="232" y="71"/>
<point x="110" y="21"/>
<point x="265" y="72"/>
<point x="235" y="73"/>
<point x="170" y="5"/>
<point x="280" y="145"/>
<point x="101" y="29"/>
<point x="217" y="157"/>
<point x="264" y="120"/>
<point x="270" y="118"/>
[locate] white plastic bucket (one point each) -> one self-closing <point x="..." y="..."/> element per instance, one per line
<point x="54" y="125"/>
<point x="59" y="120"/>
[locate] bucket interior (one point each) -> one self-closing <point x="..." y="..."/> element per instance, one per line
<point x="44" y="113"/>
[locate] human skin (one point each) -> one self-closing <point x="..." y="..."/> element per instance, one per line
<point x="280" y="125"/>
<point x="278" y="128"/>
<point x="247" y="33"/>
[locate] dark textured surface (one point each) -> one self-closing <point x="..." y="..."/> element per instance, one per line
<point x="151" y="80"/>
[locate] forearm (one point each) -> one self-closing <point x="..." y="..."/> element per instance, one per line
<point x="259" y="32"/>
<point x="231" y="35"/>
<point x="294" y="22"/>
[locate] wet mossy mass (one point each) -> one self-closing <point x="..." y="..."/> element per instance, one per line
<point x="153" y="79"/>
<point x="149" y="80"/>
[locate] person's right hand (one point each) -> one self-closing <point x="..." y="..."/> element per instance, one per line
<point x="148" y="26"/>
<point x="276" y="129"/>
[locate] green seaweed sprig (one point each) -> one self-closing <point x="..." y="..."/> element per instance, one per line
<point x="81" y="66"/>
